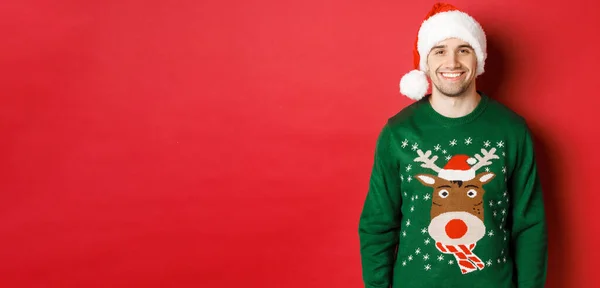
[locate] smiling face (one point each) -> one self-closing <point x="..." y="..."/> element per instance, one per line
<point x="452" y="66"/>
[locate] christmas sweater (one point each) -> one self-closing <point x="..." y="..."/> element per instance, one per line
<point x="454" y="202"/>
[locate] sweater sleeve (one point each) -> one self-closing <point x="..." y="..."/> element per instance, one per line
<point x="529" y="231"/>
<point x="380" y="218"/>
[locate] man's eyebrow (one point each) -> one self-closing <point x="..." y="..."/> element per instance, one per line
<point x="460" y="46"/>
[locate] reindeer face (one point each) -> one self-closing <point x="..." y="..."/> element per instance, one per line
<point x="457" y="206"/>
<point x="450" y="196"/>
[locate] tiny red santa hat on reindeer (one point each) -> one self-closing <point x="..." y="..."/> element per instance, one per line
<point x="458" y="168"/>
<point x="444" y="21"/>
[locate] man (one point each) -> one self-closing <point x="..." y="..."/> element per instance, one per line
<point x="454" y="198"/>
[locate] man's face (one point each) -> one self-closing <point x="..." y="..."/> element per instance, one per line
<point x="451" y="66"/>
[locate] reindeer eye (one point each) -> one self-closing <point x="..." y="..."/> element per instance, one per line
<point x="472" y="193"/>
<point x="443" y="193"/>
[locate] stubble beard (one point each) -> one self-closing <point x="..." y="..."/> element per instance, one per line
<point x="451" y="90"/>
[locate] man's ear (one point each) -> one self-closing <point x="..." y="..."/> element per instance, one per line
<point x="427" y="180"/>
<point x="485" y="177"/>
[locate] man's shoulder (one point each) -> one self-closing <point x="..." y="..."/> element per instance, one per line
<point x="405" y="114"/>
<point x="501" y="112"/>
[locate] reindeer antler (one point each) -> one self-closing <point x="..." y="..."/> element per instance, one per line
<point x="427" y="163"/>
<point x="485" y="160"/>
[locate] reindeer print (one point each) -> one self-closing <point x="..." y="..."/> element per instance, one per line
<point x="457" y="204"/>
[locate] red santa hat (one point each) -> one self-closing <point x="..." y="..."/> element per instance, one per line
<point x="458" y="168"/>
<point x="442" y="22"/>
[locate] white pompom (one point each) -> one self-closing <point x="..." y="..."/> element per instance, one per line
<point x="471" y="161"/>
<point x="414" y="84"/>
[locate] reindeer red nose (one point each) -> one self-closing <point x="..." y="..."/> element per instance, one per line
<point x="456" y="228"/>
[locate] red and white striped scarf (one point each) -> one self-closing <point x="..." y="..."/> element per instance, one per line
<point x="467" y="261"/>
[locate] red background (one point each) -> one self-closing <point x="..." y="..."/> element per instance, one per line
<point x="229" y="144"/>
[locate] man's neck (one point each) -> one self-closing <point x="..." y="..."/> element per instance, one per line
<point x="454" y="107"/>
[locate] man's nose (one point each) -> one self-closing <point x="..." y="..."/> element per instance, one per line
<point x="452" y="62"/>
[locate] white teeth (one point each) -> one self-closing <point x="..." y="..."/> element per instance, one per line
<point x="451" y="75"/>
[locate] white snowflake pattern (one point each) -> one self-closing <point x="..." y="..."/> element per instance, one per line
<point x="440" y="258"/>
<point x="410" y="257"/>
<point x="495" y="213"/>
<point x="444" y="151"/>
<point x="502" y="252"/>
<point x="503" y="212"/>
<point x="487" y="169"/>
<point x="408" y="167"/>
<point x="499" y="202"/>
<point x="485" y="144"/>
<point x="453" y="142"/>
<point x="451" y="262"/>
<point x="405" y="195"/>
<point x="418" y="251"/>
<point x="427" y="267"/>
<point x="504" y="169"/>
<point x="491" y="203"/>
<point x="415" y="147"/>
<point x="426" y="257"/>
<point x="404" y="143"/>
<point x="412" y="208"/>
<point x="491" y="233"/>
<point x="489" y="262"/>
<point x="498" y="260"/>
<point x="424" y="230"/>
<point x="427" y="241"/>
<point x="500" y="144"/>
<point x="409" y="178"/>
<point x="448" y="158"/>
<point x="468" y="141"/>
<point x="503" y="153"/>
<point x="417" y="197"/>
<point x="401" y="177"/>
<point x="504" y="238"/>
<point x="504" y="259"/>
<point x="407" y="222"/>
<point x="505" y="193"/>
<point x="426" y="197"/>
<point x="404" y="263"/>
<point x="403" y="233"/>
<point x="437" y="147"/>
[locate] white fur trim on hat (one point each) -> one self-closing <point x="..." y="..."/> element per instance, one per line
<point x="457" y="175"/>
<point x="414" y="84"/>
<point x="452" y="24"/>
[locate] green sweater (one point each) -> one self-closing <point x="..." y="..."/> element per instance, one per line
<point x="454" y="202"/>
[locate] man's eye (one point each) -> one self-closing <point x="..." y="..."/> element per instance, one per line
<point x="465" y="51"/>
<point x="439" y="52"/>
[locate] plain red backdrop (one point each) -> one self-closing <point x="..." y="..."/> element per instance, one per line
<point x="229" y="143"/>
